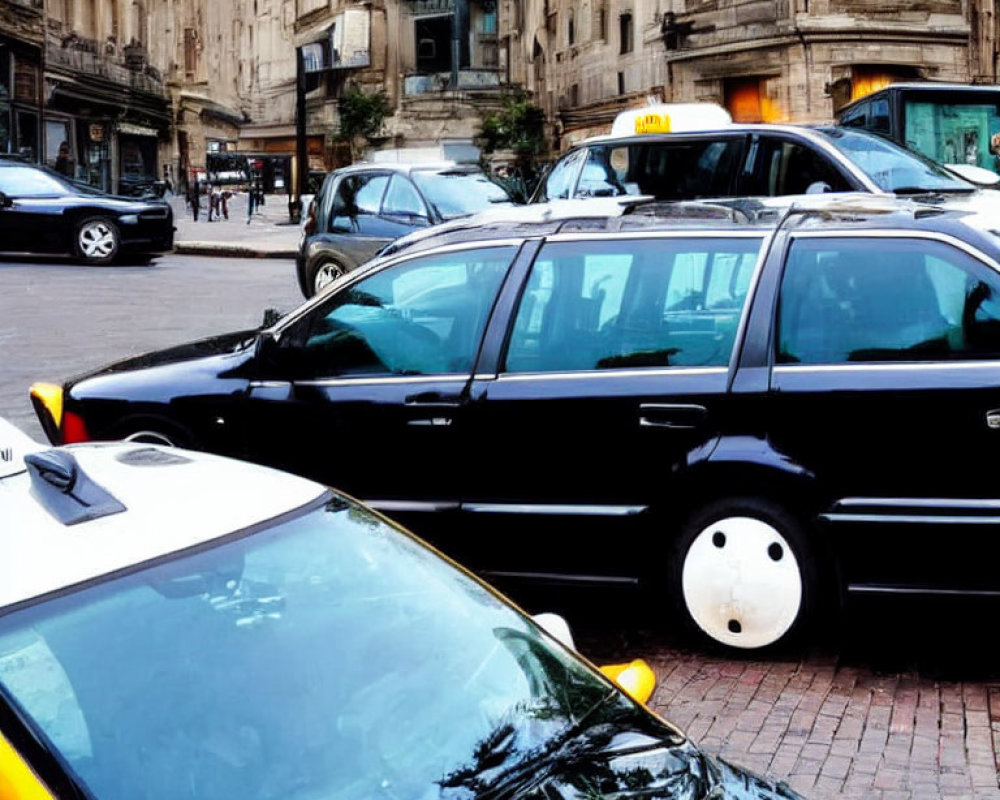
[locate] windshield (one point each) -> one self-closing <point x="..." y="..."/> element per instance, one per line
<point x="30" y="181"/>
<point x="327" y="656"/>
<point x="457" y="194"/>
<point x="891" y="167"/>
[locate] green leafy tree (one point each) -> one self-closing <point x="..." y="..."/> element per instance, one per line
<point x="361" y="116"/>
<point x="518" y="126"/>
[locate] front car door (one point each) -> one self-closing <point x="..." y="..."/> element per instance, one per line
<point x="886" y="388"/>
<point x="611" y="378"/>
<point x="779" y="165"/>
<point x="33" y="220"/>
<point x="365" y="390"/>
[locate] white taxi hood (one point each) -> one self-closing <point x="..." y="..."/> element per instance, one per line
<point x="14" y="446"/>
<point x="171" y="499"/>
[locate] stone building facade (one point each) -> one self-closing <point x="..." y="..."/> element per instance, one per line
<point x="83" y="94"/>
<point x="765" y="60"/>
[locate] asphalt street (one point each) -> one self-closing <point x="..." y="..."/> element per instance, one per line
<point x="899" y="702"/>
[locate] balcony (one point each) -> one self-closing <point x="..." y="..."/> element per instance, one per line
<point x="127" y="65"/>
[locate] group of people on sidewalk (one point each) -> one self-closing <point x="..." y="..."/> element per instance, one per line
<point x="218" y="200"/>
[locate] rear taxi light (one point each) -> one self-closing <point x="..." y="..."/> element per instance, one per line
<point x="47" y="399"/>
<point x="74" y="429"/>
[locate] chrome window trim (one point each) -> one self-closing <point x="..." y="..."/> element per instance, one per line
<point x="563" y="578"/>
<point x="390" y="506"/>
<point x="555" y="509"/>
<point x="919" y="502"/>
<point x="895" y="366"/>
<point x="387" y="380"/>
<point x="875" y="588"/>
<point x="610" y="373"/>
<point x="912" y="519"/>
<point x="879" y="233"/>
<point x="704" y="234"/>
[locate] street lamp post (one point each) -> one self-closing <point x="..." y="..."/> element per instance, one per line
<point x="301" y="153"/>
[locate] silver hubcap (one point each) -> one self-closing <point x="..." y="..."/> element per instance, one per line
<point x="742" y="583"/>
<point x="97" y="240"/>
<point x="327" y="274"/>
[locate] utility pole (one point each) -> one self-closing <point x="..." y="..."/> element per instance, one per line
<point x="301" y="151"/>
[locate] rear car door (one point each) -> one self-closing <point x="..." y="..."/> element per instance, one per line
<point x="614" y="370"/>
<point x="365" y="391"/>
<point x="886" y="388"/>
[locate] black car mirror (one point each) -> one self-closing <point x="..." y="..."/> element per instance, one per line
<point x="5" y="201"/>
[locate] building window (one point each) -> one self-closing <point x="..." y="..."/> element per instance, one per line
<point x="625" y="32"/>
<point x="574" y="95"/>
<point x="190" y="52"/>
<point x="746" y="100"/>
<point x="602" y="22"/>
<point x="570" y="30"/>
<point x="621" y="83"/>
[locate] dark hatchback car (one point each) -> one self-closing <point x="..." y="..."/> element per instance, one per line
<point x="360" y="209"/>
<point x="43" y="212"/>
<point x="747" y="418"/>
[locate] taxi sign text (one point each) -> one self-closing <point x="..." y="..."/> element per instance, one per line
<point x="652" y="123"/>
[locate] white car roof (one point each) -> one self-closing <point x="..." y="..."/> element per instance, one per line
<point x="174" y="499"/>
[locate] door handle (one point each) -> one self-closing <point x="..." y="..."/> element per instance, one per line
<point x="993" y="419"/>
<point x="676" y="416"/>
<point x="433" y="399"/>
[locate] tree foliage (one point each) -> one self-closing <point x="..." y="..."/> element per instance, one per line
<point x="362" y="114"/>
<point x="518" y="126"/>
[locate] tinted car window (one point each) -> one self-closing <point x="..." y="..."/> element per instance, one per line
<point x="422" y="317"/>
<point x="683" y="170"/>
<point x="845" y="300"/>
<point x="655" y="303"/>
<point x="29" y="182"/>
<point x="787" y="167"/>
<point x="402" y="199"/>
<point x="356" y="195"/>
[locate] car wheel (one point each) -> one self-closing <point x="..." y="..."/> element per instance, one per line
<point x="325" y="272"/>
<point x="742" y="575"/>
<point x="96" y="240"/>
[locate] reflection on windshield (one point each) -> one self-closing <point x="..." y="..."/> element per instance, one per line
<point x="457" y="194"/>
<point x="326" y="657"/>
<point x="893" y="168"/>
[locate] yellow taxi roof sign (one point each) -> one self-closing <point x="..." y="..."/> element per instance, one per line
<point x="670" y="118"/>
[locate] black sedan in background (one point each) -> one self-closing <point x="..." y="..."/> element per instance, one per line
<point x="42" y="212"/>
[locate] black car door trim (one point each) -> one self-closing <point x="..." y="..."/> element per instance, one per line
<point x="555" y="509"/>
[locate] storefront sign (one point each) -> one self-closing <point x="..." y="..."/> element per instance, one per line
<point x="96" y="133"/>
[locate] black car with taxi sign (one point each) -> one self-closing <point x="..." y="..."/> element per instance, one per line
<point x="774" y="407"/>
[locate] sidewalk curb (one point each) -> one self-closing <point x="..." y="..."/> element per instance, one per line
<point x="225" y="249"/>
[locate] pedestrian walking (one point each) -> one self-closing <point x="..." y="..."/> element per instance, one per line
<point x="194" y="197"/>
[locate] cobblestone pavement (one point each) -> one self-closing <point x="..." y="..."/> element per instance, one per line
<point x="900" y="703"/>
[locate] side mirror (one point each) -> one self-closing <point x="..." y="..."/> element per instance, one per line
<point x="977" y="175"/>
<point x="635" y="678"/>
<point x="5" y="202"/>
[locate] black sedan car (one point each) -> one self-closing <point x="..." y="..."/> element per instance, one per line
<point x="769" y="413"/>
<point x="43" y="212"/>
<point x="361" y="208"/>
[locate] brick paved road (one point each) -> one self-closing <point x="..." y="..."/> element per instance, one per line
<point x="903" y="704"/>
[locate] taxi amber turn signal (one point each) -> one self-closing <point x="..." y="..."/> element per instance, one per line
<point x="47" y="398"/>
<point x="636" y="678"/>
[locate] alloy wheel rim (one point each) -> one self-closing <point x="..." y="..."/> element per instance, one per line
<point x="327" y="274"/>
<point x="97" y="240"/>
<point x="742" y="583"/>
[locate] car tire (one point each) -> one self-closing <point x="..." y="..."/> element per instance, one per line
<point x="96" y="240"/>
<point x="323" y="272"/>
<point x="743" y="577"/>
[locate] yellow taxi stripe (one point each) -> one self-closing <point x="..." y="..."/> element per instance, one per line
<point x="17" y="780"/>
